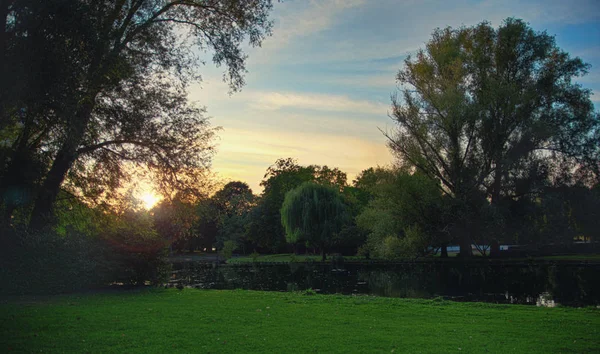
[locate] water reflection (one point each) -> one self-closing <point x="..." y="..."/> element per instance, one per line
<point x="544" y="285"/>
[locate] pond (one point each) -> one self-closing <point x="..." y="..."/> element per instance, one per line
<point x="541" y="284"/>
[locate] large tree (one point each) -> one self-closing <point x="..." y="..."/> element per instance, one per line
<point x="233" y="204"/>
<point x="93" y="90"/>
<point x="313" y="213"/>
<point x="265" y="228"/>
<point x="491" y="113"/>
<point x="405" y="215"/>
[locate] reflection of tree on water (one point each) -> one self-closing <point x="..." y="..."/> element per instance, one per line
<point x="389" y="283"/>
<point x="514" y="283"/>
<point x="573" y="285"/>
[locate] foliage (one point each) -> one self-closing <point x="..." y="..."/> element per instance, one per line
<point x="137" y="250"/>
<point x="173" y="220"/>
<point x="233" y="204"/>
<point x="406" y="216"/>
<point x="203" y="234"/>
<point x="254" y="321"/>
<point x="264" y="229"/>
<point x="48" y="263"/>
<point x="98" y="93"/>
<point x="492" y="114"/>
<point x="228" y="248"/>
<point x="89" y="247"/>
<point x="313" y="213"/>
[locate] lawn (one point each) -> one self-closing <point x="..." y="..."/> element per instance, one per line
<point x="211" y="321"/>
<point x="285" y="258"/>
<point x="291" y="258"/>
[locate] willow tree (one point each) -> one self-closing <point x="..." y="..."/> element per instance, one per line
<point x="491" y="113"/>
<point x="93" y="89"/>
<point x="313" y="213"/>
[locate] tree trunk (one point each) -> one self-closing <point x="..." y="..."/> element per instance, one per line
<point x="444" y="252"/>
<point x="494" y="248"/>
<point x="495" y="244"/>
<point x="323" y="253"/>
<point x="4" y="86"/>
<point x="4" y="4"/>
<point x="43" y="208"/>
<point x="465" y="247"/>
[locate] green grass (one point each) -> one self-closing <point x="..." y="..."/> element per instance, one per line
<point x="572" y="257"/>
<point x="285" y="258"/>
<point x="211" y="321"/>
<point x="289" y="257"/>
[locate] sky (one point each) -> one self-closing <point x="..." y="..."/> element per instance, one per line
<point x="319" y="89"/>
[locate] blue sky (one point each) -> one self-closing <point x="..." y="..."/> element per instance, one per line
<point x="319" y="88"/>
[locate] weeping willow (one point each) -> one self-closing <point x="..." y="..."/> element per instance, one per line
<point x="313" y="213"/>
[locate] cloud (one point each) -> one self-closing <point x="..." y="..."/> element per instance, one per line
<point x="318" y="16"/>
<point x="559" y="11"/>
<point x="387" y="81"/>
<point x="245" y="154"/>
<point x="320" y="102"/>
<point x="319" y="88"/>
<point x="388" y="27"/>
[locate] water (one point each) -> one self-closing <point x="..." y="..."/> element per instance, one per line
<point x="548" y="284"/>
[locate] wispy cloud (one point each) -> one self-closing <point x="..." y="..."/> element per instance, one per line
<point x="319" y="88"/>
<point x="318" y="102"/>
<point x="316" y="16"/>
<point x="246" y="153"/>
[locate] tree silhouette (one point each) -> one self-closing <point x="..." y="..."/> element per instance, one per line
<point x="313" y="213"/>
<point x="92" y="89"/>
<point x="492" y="113"/>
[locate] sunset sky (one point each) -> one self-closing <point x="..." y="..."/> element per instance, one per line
<point x="319" y="88"/>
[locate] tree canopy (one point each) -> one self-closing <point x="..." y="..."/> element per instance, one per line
<point x="94" y="91"/>
<point x="313" y="213"/>
<point x="406" y="215"/>
<point x="284" y="175"/>
<point x="494" y="114"/>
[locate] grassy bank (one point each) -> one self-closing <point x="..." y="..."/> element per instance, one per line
<point x="291" y="258"/>
<point x="196" y="321"/>
<point x="286" y="258"/>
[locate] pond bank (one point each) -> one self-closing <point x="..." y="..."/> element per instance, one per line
<point x="291" y="258"/>
<point x="511" y="283"/>
<point x="250" y="321"/>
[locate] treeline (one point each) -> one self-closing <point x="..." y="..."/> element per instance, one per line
<point x="388" y="213"/>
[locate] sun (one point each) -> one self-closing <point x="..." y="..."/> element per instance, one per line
<point x="149" y="200"/>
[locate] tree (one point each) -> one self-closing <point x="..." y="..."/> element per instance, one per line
<point x="234" y="198"/>
<point x="173" y="220"/>
<point x="103" y="89"/>
<point x="313" y="213"/>
<point x="233" y="204"/>
<point x="406" y="215"/>
<point x="490" y="113"/>
<point x="265" y="229"/>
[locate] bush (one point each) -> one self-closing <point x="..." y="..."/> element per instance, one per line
<point x="391" y="248"/>
<point x="48" y="263"/>
<point x="139" y="268"/>
<point x="228" y="248"/>
<point x="43" y="262"/>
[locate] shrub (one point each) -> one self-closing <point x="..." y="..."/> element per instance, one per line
<point x="44" y="262"/>
<point x="228" y="248"/>
<point x="49" y="263"/>
<point x="254" y="255"/>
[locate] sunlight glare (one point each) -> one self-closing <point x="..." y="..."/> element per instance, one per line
<point x="149" y="200"/>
